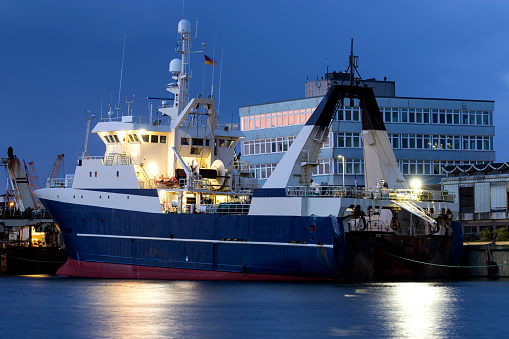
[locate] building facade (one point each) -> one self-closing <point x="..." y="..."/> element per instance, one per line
<point x="426" y="133"/>
<point x="482" y="193"/>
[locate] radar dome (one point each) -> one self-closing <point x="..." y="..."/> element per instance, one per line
<point x="176" y="66"/>
<point x="184" y="27"/>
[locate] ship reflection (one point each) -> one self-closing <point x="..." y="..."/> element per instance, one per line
<point x="135" y="309"/>
<point x="419" y="310"/>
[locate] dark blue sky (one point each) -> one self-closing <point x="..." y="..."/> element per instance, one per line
<point x="60" y="58"/>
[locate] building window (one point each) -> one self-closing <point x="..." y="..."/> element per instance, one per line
<point x="394" y="138"/>
<point x="262" y="171"/>
<point x="275" y="119"/>
<point x="477" y="143"/>
<point x="347" y="113"/>
<point x="390" y="114"/>
<point x="265" y="146"/>
<point x="349" y="140"/>
<point x="352" y="166"/>
<point x="415" y="167"/>
<point x="324" y="167"/>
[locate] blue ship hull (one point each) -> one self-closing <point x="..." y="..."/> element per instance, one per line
<point x="111" y="243"/>
<point x="272" y="246"/>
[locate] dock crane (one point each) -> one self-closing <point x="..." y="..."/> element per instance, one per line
<point x="33" y="182"/>
<point x="56" y="168"/>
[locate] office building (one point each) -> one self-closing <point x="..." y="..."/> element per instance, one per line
<point x="426" y="133"/>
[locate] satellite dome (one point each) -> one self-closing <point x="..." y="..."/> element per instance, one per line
<point x="176" y="66"/>
<point x="184" y="27"/>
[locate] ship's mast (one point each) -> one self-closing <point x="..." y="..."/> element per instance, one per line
<point x="181" y="67"/>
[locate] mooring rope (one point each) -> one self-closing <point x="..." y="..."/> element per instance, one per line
<point x="46" y="261"/>
<point x="449" y="266"/>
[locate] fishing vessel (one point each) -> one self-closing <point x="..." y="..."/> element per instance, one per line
<point x="29" y="239"/>
<point x="170" y="199"/>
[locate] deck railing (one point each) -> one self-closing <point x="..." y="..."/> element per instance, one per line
<point x="369" y="193"/>
<point x="140" y="120"/>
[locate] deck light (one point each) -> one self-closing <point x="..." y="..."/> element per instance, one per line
<point x="416" y="184"/>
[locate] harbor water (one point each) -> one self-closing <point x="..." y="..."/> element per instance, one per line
<point x="62" y="307"/>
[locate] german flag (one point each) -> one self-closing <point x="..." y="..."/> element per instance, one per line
<point x="209" y="61"/>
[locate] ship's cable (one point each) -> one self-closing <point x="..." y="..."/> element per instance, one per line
<point x="441" y="265"/>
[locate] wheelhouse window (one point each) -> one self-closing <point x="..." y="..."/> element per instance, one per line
<point x="133" y="137"/>
<point x="145" y="137"/>
<point x="162" y="139"/>
<point x="154" y="138"/>
<point x="229" y="143"/>
<point x="197" y="142"/>
<point x="184" y="141"/>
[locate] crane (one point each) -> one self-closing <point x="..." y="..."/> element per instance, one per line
<point x="85" y="150"/>
<point x="33" y="182"/>
<point x="56" y="167"/>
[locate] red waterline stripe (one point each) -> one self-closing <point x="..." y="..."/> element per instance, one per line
<point x="86" y="269"/>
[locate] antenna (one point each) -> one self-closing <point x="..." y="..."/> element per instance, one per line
<point x="150" y="112"/>
<point x="213" y="69"/>
<point x="350" y="63"/>
<point x="327" y="75"/>
<point x="219" y="94"/>
<point x="121" y="73"/>
<point x="110" y="113"/>
<point x="353" y="63"/>
<point x="129" y="106"/>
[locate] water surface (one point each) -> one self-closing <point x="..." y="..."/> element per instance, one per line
<point x="62" y="307"/>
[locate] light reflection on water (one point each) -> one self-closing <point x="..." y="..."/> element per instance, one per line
<point x="416" y="310"/>
<point x="134" y="309"/>
<point x="90" y="308"/>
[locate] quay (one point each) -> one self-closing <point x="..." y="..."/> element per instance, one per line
<point x="486" y="259"/>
